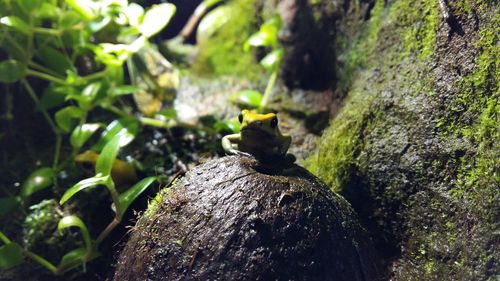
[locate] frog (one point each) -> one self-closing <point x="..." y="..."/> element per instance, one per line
<point x="259" y="136"/>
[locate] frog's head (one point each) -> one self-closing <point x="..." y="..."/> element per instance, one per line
<point x="258" y="124"/>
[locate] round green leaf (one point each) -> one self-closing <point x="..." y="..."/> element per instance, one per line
<point x="272" y="60"/>
<point x="156" y="18"/>
<point x="16" y="23"/>
<point x="11" y="254"/>
<point x="248" y="98"/>
<point x="134" y="13"/>
<point x="38" y="180"/>
<point x="11" y="71"/>
<point x="212" y="22"/>
<point x="70" y="221"/>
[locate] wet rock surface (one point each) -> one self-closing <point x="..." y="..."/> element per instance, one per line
<point x="235" y="219"/>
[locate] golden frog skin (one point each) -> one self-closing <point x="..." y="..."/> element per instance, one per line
<point x="260" y="136"/>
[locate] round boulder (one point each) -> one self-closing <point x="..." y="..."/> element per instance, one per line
<point x="234" y="219"/>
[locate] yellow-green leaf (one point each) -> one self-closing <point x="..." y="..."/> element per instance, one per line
<point x="16" y="23"/>
<point x="82" y="133"/>
<point x="156" y="18"/>
<point x="70" y="221"/>
<point x="38" y="180"/>
<point x="84" y="184"/>
<point x="127" y="197"/>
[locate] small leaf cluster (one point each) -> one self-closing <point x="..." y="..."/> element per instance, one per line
<point x="267" y="38"/>
<point x="78" y="48"/>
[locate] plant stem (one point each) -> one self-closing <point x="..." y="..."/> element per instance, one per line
<point x="45" y="76"/>
<point x="54" y="128"/>
<point x="41" y="261"/>
<point x="4" y="238"/>
<point x="96" y="75"/>
<point x="49" y="31"/>
<point x="44" y="69"/>
<point x="35" y="99"/>
<point x="57" y="152"/>
<point x="269" y="89"/>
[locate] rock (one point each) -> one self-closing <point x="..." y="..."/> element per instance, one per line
<point x="235" y="219"/>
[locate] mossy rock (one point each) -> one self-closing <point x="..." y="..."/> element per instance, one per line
<point x="234" y="219"/>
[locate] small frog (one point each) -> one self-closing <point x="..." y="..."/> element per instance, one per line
<point x="260" y="136"/>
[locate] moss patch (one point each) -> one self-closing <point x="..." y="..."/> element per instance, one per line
<point x="415" y="148"/>
<point x="223" y="53"/>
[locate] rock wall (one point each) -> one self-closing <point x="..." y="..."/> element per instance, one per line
<point x="415" y="148"/>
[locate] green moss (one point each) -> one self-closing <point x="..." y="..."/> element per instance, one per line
<point x="154" y="204"/>
<point x="419" y="20"/>
<point x="481" y="105"/>
<point x="442" y="236"/>
<point x="358" y="51"/>
<point x="338" y="145"/>
<point x="223" y="53"/>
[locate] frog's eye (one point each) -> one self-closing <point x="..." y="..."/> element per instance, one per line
<point x="274" y="122"/>
<point x="240" y="118"/>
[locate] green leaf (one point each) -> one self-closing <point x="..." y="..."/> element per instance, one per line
<point x="134" y="13"/>
<point x="82" y="133"/>
<point x="53" y="96"/>
<point x="70" y="221"/>
<point x="169" y="113"/>
<point x="210" y="3"/>
<point x="87" y="96"/>
<point x="76" y="257"/>
<point x="266" y="36"/>
<point x="128" y="127"/>
<point x="84" y="184"/>
<point x="11" y="255"/>
<point x="247" y="98"/>
<point x="16" y="23"/>
<point x="67" y="117"/>
<point x="38" y="180"/>
<point x="127" y="197"/>
<point x="232" y="125"/>
<point x="272" y="61"/>
<point x="11" y="71"/>
<point x="54" y="59"/>
<point x="156" y="18"/>
<point x="212" y="22"/>
<point x="7" y="204"/>
<point x="29" y="6"/>
<point x="108" y="155"/>
<point x="83" y="7"/>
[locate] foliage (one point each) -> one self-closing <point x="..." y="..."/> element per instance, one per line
<point x="266" y="37"/>
<point x="47" y="41"/>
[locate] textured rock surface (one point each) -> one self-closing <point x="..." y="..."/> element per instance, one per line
<point x="232" y="219"/>
<point x="415" y="149"/>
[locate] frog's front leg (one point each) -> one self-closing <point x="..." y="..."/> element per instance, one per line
<point x="230" y="144"/>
